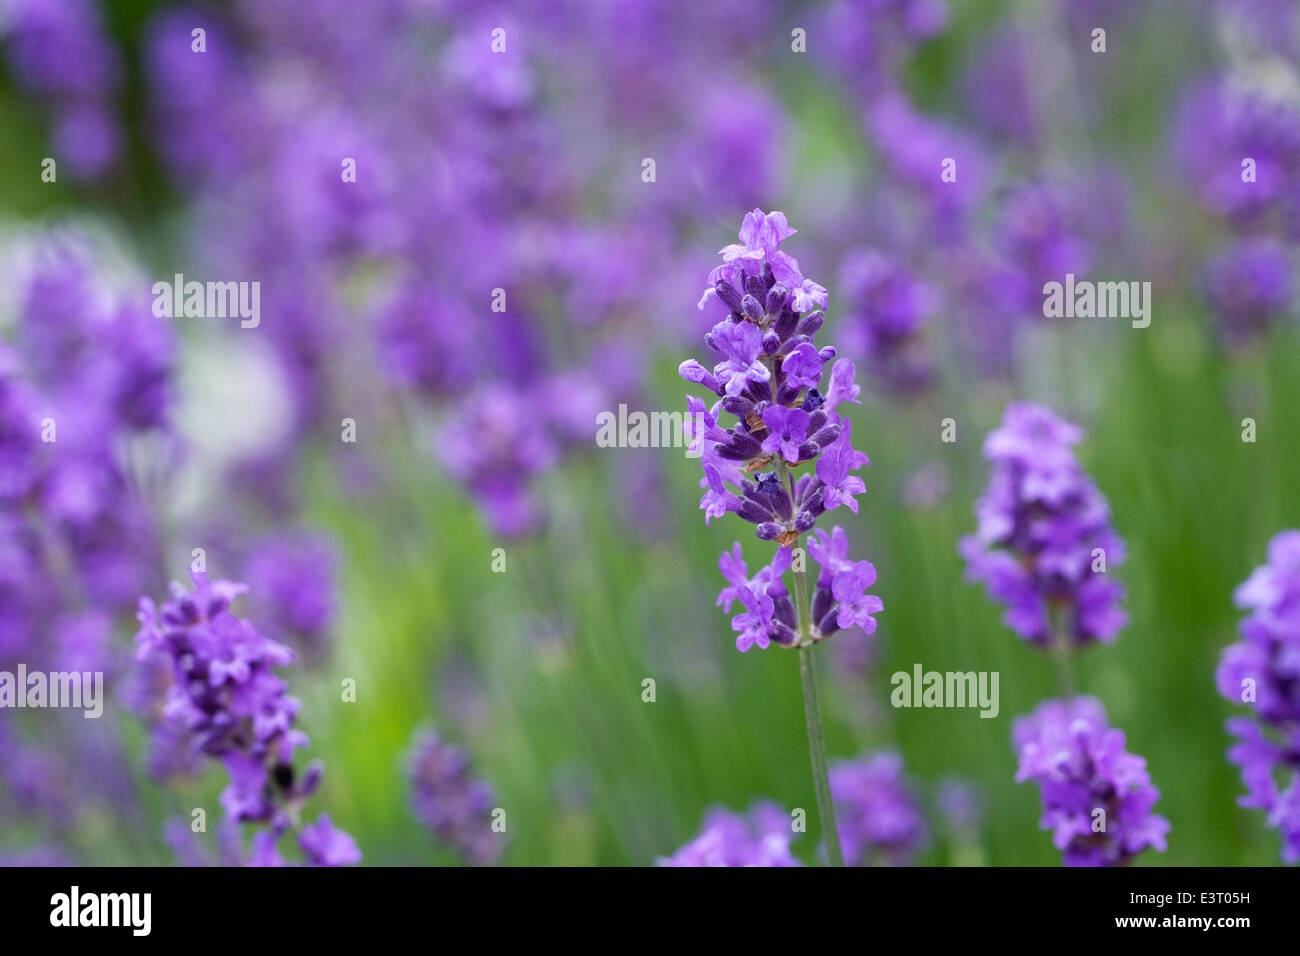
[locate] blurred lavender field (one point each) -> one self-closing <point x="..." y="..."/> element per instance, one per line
<point x="457" y="237"/>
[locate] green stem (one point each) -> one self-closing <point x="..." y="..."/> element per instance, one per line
<point x="812" y="712"/>
<point x="1061" y="652"/>
<point x="812" y="707"/>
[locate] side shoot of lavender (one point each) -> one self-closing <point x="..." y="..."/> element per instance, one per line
<point x="1262" y="671"/>
<point x="1043" y="548"/>
<point x="767" y="376"/>
<point x="226" y="702"/>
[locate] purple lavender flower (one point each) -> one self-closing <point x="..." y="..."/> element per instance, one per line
<point x="787" y="428"/>
<point x="292" y="578"/>
<point x="1097" y="797"/>
<point x="1262" y="670"/>
<point x="867" y="42"/>
<point x="856" y="607"/>
<point x="878" y="815"/>
<point x="61" y="53"/>
<point x="1039" y="230"/>
<point x="769" y="381"/>
<point x="1249" y="287"/>
<point x="761" y="838"/>
<point x="326" y="845"/>
<point x="1221" y="123"/>
<point x="839" y="459"/>
<point x="231" y="706"/>
<point x="740" y="344"/>
<point x="493" y="446"/>
<point x="888" y="307"/>
<point x="1044" y="543"/>
<point x="783" y="422"/>
<point x="453" y="803"/>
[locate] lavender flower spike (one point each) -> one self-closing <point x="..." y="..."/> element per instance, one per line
<point x="453" y="803"/>
<point x="1044" y="545"/>
<point x="879" y="816"/>
<point x="1097" y="797"/>
<point x="769" y="380"/>
<point x="226" y="702"/>
<point x="1262" y="670"/>
<point x="729" y="839"/>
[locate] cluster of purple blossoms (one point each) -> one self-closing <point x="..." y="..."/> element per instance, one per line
<point x="85" y="395"/>
<point x="448" y="799"/>
<point x="59" y="51"/>
<point x="877" y="814"/>
<point x="768" y="377"/>
<point x="291" y="581"/>
<point x="1262" y="670"/>
<point x="760" y="838"/>
<point x="1238" y="144"/>
<point x="1045" y="540"/>
<point x="1043" y="545"/>
<point x="230" y="705"/>
<point x="1097" y="797"/>
<point x="1249" y="287"/>
<point x="888" y="308"/>
<point x="1223" y="121"/>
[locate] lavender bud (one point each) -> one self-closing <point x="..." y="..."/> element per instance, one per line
<point x="828" y="625"/>
<point x="808" y="450"/>
<point x="745" y="444"/>
<point x="780" y="501"/>
<point x="760" y="391"/>
<point x="813" y="400"/>
<point x="738" y="406"/>
<point x="785" y="323"/>
<point x="782" y="633"/>
<point x="815" y="504"/>
<point x="768" y="531"/>
<point x="777" y="297"/>
<point x="827" y="353"/>
<point x="752" y="308"/>
<point x="786" y="394"/>
<point x="816" y="421"/>
<point x="791" y="342"/>
<point x="751" y="512"/>
<point x="827" y="435"/>
<point x="805" y="521"/>
<point x="769" y="277"/>
<point x="822" y="603"/>
<point x="732" y="454"/>
<point x="811" y="323"/>
<point x="771" y="342"/>
<point x="728" y="294"/>
<point x="784" y="613"/>
<point x="755" y="287"/>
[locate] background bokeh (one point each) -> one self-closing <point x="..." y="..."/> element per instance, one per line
<point x="523" y="170"/>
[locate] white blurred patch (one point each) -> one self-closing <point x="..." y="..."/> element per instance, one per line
<point x="233" y="404"/>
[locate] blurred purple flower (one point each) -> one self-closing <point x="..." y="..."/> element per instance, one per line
<point x="1262" y="670"/>
<point x="1081" y="766"/>
<point x="454" y="804"/>
<point x="760" y="838"/>
<point x="1045" y="545"/>
<point x="876" y="812"/>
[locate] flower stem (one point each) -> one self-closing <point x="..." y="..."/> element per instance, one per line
<point x="812" y="712"/>
<point x="1061" y="653"/>
<point x="812" y="707"/>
